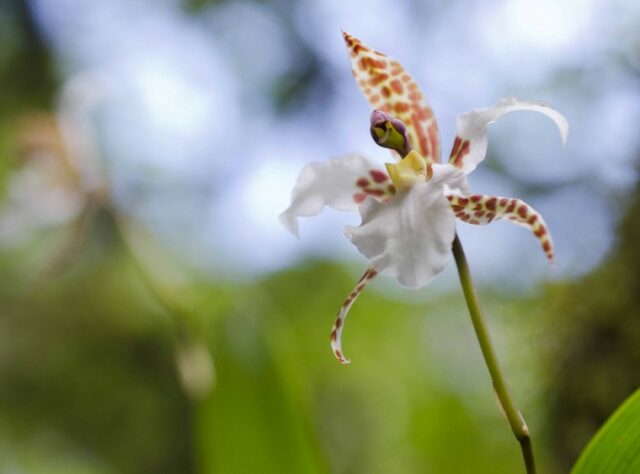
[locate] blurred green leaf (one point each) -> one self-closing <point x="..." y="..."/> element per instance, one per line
<point x="616" y="447"/>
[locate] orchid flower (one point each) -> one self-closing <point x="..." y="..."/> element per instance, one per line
<point x="408" y="208"/>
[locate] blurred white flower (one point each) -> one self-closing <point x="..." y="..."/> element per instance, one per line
<point x="60" y="182"/>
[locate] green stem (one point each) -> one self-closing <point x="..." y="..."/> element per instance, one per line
<point x="160" y="293"/>
<point x="516" y="421"/>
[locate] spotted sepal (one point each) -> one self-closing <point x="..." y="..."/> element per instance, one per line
<point x="389" y="87"/>
<point x="483" y="209"/>
<point x="338" y="326"/>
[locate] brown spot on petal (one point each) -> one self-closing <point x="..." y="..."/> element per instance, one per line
<point x="401" y="108"/>
<point x="540" y="232"/>
<point x="378" y="176"/>
<point x="374" y="192"/>
<point x="396" y="86"/>
<point x="522" y="211"/>
<point x="378" y="78"/>
<point x="359" y="198"/>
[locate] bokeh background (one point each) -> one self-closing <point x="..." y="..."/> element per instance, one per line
<point x="155" y="316"/>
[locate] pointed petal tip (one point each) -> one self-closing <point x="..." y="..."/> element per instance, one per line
<point x="470" y="146"/>
<point x="290" y="222"/>
<point x="338" y="326"/>
<point x="336" y="348"/>
<point x="564" y="131"/>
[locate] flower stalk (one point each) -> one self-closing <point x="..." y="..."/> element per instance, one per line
<point x="516" y="421"/>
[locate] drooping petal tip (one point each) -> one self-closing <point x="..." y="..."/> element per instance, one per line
<point x="290" y="222"/>
<point x="481" y="209"/>
<point x="470" y="145"/>
<point x="338" y="326"/>
<point x="510" y="104"/>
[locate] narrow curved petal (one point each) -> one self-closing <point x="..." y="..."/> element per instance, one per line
<point x="338" y="326"/>
<point x="341" y="183"/>
<point x="388" y="86"/>
<point x="483" y="209"/>
<point x="470" y="144"/>
<point x="408" y="237"/>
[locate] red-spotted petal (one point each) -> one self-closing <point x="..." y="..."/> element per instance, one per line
<point x="483" y="209"/>
<point x="470" y="144"/>
<point x="338" y="326"/>
<point x="389" y="87"/>
<point x="341" y="183"/>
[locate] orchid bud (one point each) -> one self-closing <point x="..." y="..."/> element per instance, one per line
<point x="389" y="132"/>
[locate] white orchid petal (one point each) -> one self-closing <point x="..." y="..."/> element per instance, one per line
<point x="337" y="183"/>
<point x="410" y="236"/>
<point x="470" y="145"/>
<point x="452" y="180"/>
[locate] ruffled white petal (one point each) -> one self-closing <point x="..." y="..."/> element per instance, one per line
<point x="335" y="183"/>
<point x="470" y="145"/>
<point x="410" y="236"/>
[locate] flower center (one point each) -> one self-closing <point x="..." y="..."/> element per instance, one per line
<point x="409" y="171"/>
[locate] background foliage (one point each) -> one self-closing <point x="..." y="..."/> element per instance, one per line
<point x="90" y="373"/>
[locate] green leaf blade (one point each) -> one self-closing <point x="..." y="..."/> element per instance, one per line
<point x="615" y="449"/>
